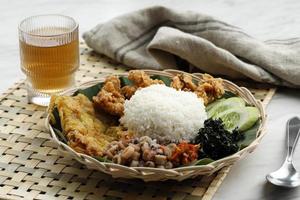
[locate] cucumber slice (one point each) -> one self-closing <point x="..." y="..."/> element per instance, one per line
<point x="233" y="102"/>
<point x="241" y="117"/>
<point x="211" y="105"/>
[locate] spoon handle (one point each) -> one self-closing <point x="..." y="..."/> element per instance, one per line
<point x="293" y="132"/>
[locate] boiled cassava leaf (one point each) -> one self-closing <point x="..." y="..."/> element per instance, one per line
<point x="217" y="151"/>
<point x="216" y="141"/>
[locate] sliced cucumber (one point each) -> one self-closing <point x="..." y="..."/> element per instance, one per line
<point x="211" y="105"/>
<point x="233" y="102"/>
<point x="241" y="117"/>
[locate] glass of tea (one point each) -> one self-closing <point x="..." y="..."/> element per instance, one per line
<point x="49" y="52"/>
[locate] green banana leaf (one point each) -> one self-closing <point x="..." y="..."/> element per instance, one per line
<point x="102" y="159"/>
<point x="204" y="161"/>
<point x="249" y="136"/>
<point x="91" y="91"/>
<point x="60" y="135"/>
<point x="124" y="81"/>
<point x="165" y="79"/>
<point x="228" y="94"/>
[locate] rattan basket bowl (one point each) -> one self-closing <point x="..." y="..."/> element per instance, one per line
<point x="157" y="174"/>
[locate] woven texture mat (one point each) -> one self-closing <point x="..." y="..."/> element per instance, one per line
<point x="31" y="167"/>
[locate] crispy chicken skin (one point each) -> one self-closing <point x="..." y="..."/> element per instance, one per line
<point x="183" y="82"/>
<point x="110" y="99"/>
<point x="140" y="80"/>
<point x="85" y="133"/>
<point x="208" y="89"/>
<point x="129" y="90"/>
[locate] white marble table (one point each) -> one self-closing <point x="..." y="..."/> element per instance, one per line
<point x="262" y="19"/>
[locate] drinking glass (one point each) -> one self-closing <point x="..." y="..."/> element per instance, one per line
<point x="49" y="53"/>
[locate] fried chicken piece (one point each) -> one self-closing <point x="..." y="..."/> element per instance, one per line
<point x="128" y="91"/>
<point x="85" y="133"/>
<point x="183" y="82"/>
<point x="120" y="132"/>
<point x="208" y="89"/>
<point x="177" y="83"/>
<point x="110" y="99"/>
<point x="140" y="80"/>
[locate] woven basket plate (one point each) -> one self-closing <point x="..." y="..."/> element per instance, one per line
<point x="180" y="173"/>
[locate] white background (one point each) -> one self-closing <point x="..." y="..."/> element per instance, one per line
<point x="262" y="19"/>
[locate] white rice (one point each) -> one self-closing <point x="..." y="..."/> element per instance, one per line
<point x="164" y="113"/>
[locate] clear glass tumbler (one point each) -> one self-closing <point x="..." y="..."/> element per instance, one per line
<point x="49" y="53"/>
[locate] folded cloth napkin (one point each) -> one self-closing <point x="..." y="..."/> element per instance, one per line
<point x="160" y="38"/>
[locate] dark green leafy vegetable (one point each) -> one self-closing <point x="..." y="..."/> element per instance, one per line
<point x="216" y="141"/>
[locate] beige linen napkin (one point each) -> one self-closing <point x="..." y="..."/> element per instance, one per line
<point x="160" y="38"/>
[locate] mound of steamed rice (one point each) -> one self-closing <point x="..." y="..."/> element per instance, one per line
<point x="164" y="113"/>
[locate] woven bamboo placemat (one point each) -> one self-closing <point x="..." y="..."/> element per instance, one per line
<point x="31" y="167"/>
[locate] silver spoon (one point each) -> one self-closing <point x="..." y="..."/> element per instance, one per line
<point x="286" y="175"/>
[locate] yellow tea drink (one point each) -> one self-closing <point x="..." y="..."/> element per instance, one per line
<point x="50" y="68"/>
<point x="49" y="53"/>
